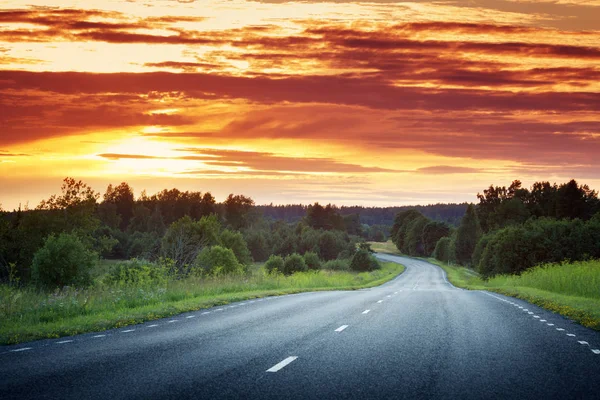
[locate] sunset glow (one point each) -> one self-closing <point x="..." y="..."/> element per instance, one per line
<point x="350" y="102"/>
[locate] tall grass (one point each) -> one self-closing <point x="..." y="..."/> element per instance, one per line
<point x="27" y="313"/>
<point x="580" y="279"/>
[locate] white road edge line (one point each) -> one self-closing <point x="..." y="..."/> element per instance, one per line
<point x="282" y="364"/>
<point x="21" y="349"/>
<point x="366" y="311"/>
<point x="341" y="328"/>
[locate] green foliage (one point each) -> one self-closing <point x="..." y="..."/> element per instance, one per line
<point x="337" y="265"/>
<point x="185" y="238"/>
<point x="274" y="263"/>
<point x="467" y="236"/>
<point x="294" y="263"/>
<point x="237" y="211"/>
<point x="258" y="245"/>
<point x="413" y="242"/>
<point x="432" y="233"/>
<point x="121" y="197"/>
<point x="217" y="260"/>
<point x="443" y="250"/>
<point x="235" y="241"/>
<point x="363" y="261"/>
<point x="62" y="260"/>
<point x="137" y="273"/>
<point x="312" y="260"/>
<point x="144" y="245"/>
<point x="401" y="224"/>
<point x="515" y="249"/>
<point x="327" y="218"/>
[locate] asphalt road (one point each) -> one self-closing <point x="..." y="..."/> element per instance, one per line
<point x="414" y="337"/>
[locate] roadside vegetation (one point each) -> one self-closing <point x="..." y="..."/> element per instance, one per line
<point x="74" y="264"/>
<point x="541" y="244"/>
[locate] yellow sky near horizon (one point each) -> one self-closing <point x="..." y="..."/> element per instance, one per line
<point x="378" y="103"/>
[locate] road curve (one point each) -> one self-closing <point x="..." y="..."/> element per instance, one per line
<point x="416" y="336"/>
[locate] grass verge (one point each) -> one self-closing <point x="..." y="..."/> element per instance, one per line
<point x="569" y="289"/>
<point x="28" y="315"/>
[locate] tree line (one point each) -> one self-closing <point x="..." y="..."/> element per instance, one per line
<point x="186" y="233"/>
<point x="510" y="230"/>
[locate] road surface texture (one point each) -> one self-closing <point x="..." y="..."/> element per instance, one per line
<point x="416" y="337"/>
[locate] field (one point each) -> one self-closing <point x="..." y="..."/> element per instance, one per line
<point x="28" y="314"/>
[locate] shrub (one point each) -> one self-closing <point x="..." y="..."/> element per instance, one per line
<point x="312" y="260"/>
<point x="294" y="263"/>
<point x="137" y="273"/>
<point x="217" y="260"/>
<point x="274" y="263"/>
<point x="63" y="260"/>
<point x="337" y="265"/>
<point x="363" y="261"/>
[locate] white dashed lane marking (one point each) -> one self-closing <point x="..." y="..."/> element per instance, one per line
<point x="595" y="351"/>
<point x="571" y="334"/>
<point x="152" y="326"/>
<point x="173" y="320"/>
<point x="64" y="341"/>
<point x="583" y="342"/>
<point x="205" y="313"/>
<point x="190" y="316"/>
<point x="380" y="301"/>
<point x="99" y="336"/>
<point x="21" y="349"/>
<point x="282" y="364"/>
<point x="341" y="328"/>
<point x="128" y="330"/>
<point x="366" y="311"/>
<point x="560" y="329"/>
<point x="550" y="324"/>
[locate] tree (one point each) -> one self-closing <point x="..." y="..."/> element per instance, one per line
<point x="352" y="224"/>
<point x="467" y="236"/>
<point x="185" y="238"/>
<point x="401" y="224"/>
<point x="237" y="209"/>
<point x="208" y="204"/>
<point x="122" y="197"/>
<point x="413" y="244"/>
<point x="575" y="201"/>
<point x="442" y="250"/>
<point x="235" y="241"/>
<point x="312" y="260"/>
<point x="258" y="246"/>
<point x="62" y="260"/>
<point x="432" y="233"/>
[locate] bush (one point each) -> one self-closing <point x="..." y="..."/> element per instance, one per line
<point x="217" y="260"/>
<point x="274" y="263"/>
<point x="363" y="261"/>
<point x="63" y="260"/>
<point x="312" y="260"/>
<point x="337" y="265"/>
<point x="294" y="263"/>
<point x="137" y="273"/>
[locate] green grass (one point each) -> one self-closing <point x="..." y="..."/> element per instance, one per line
<point x="570" y="289"/>
<point x="384" y="247"/>
<point x="27" y="314"/>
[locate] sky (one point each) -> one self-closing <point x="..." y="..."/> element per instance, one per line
<point x="349" y="102"/>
